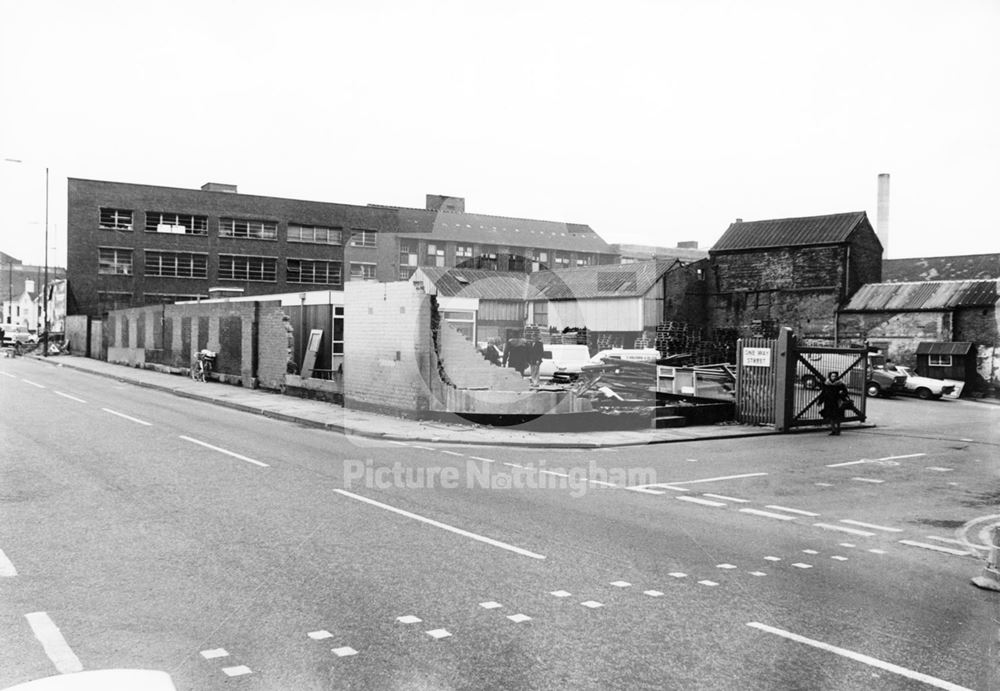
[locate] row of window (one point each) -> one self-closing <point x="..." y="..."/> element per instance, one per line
<point x="255" y="229"/>
<point x="434" y="255"/>
<point x="237" y="267"/>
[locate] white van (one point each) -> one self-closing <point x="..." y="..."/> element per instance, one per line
<point x="564" y="359"/>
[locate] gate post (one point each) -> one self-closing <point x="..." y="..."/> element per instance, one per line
<point x="784" y="380"/>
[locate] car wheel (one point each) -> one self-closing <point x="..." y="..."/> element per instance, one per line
<point x="873" y="389"/>
<point x="923" y="393"/>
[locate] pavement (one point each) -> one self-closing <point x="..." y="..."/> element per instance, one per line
<point x="383" y="426"/>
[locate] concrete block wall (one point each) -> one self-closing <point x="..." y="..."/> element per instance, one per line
<point x="387" y="347"/>
<point x="466" y="368"/>
<point x="274" y="343"/>
<point x="77" y="333"/>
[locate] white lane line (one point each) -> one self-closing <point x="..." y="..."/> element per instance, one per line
<point x="560" y="593"/>
<point x="552" y="472"/>
<point x="53" y="642"/>
<point x="484" y="460"/>
<point x="699" y="500"/>
<point x="490" y="605"/>
<point x="844" y="529"/>
<point x="725" y="566"/>
<point x="399" y="443"/>
<point x="513" y="465"/>
<point x="653" y="593"/>
<point x="936" y="548"/>
<point x="846" y="544"/>
<point x="809" y="551"/>
<point x="217" y="652"/>
<point x="801" y="565"/>
<point x="344" y="651"/>
<point x="317" y="635"/>
<point x="723" y="497"/>
<point x="772" y="558"/>
<point x="858" y="657"/>
<point x="8" y="374"/>
<point x="643" y="490"/>
<point x="225" y="451"/>
<point x="442" y="526"/>
<point x="768" y="514"/>
<point x="409" y="619"/>
<point x="873" y="526"/>
<point x="949" y="540"/>
<point x="451" y="453"/>
<point x="423" y="448"/>
<point x="798" y="511"/>
<point x="837" y="557"/>
<point x="841" y="465"/>
<point x="518" y="618"/>
<point x="592" y="604"/>
<point x="621" y="584"/>
<point x="602" y="483"/>
<point x="7" y="569"/>
<point x="939" y="469"/>
<point x="877" y="551"/>
<point x="237" y="671"/>
<point x="28" y="381"/>
<point x="72" y="398"/>
<point x="868" y="479"/>
<point x="438" y="634"/>
<point x="711" y="479"/>
<point x="893" y="458"/>
<point x="708" y="583"/>
<point x="128" y="417"/>
<point x="677" y="574"/>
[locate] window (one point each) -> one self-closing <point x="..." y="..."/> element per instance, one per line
<point x="169" y="298"/>
<point x="560" y="260"/>
<point x="539" y="260"/>
<point x="176" y="264"/>
<point x="939" y="360"/>
<point x="114" y="260"/>
<point x="361" y="271"/>
<point x="179" y="224"/>
<point x="313" y="271"/>
<point x="363" y="238"/>
<point x="405" y="272"/>
<point x="248" y="228"/>
<point x="584" y="260"/>
<point x="463" y="322"/>
<point x="541" y="312"/>
<point x="116" y="219"/>
<point x="337" y="339"/>
<point x="463" y="252"/>
<point x="319" y="235"/>
<point x="435" y="255"/>
<point x="408" y="253"/>
<point x="108" y="300"/>
<point x="237" y="267"/>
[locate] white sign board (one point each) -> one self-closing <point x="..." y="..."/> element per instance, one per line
<point x="757" y="357"/>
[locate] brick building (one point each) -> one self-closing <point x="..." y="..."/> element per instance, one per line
<point x="131" y="245"/>
<point x="793" y="272"/>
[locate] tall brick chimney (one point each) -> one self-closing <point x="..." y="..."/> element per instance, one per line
<point x="882" y="219"/>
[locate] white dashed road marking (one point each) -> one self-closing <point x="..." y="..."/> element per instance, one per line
<point x="702" y="502"/>
<point x="798" y="511"/>
<point x="484" y="460"/>
<point x="518" y="618"/>
<point x="677" y="574"/>
<point x="868" y="479"/>
<point x="442" y="526"/>
<point x="936" y="548"/>
<point x="652" y="593"/>
<point x="858" y="657"/>
<point x="128" y="417"/>
<point x="237" y="671"/>
<point x="7" y="569"/>
<point x="725" y="498"/>
<point x="344" y="651"/>
<point x="221" y="450"/>
<point x="772" y="558"/>
<point x="708" y="583"/>
<point x="438" y="634"/>
<point x="217" y="652"/>
<point x="800" y="565"/>
<point x="939" y="469"/>
<point x="451" y="453"/>
<point x="72" y="398"/>
<point x="490" y="605"/>
<point x="767" y="514"/>
<point x="560" y="593"/>
<point x="621" y="584"/>
<point x="873" y="526"/>
<point x="712" y="479"/>
<point x="320" y="635"/>
<point x="53" y="643"/>
<point x="28" y="381"/>
<point x="592" y="604"/>
<point x="843" y="529"/>
<point x="409" y="619"/>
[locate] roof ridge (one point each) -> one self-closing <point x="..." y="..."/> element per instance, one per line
<point x="800" y="218"/>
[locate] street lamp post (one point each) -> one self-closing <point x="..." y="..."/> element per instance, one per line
<point x="45" y="288"/>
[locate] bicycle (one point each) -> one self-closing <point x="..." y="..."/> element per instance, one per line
<point x="204" y="363"/>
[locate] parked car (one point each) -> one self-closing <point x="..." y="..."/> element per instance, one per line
<point x="566" y="361"/>
<point x="921" y="387"/>
<point x="878" y="382"/>
<point x="18" y="334"/>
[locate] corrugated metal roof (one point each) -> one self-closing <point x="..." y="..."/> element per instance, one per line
<point x="956" y="348"/>
<point x="588" y="282"/>
<point x="922" y="295"/>
<point x="502" y="231"/>
<point x="967" y="267"/>
<point x="785" y="232"/>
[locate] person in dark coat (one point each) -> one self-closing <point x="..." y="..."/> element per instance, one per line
<point x="535" y="351"/>
<point x="835" y="400"/>
<point x="515" y="355"/>
<point x="491" y="354"/>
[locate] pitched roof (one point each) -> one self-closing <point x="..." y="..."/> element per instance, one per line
<point x="962" y="267"/>
<point x="922" y="295"/>
<point x="785" y="232"/>
<point x="500" y="230"/>
<point x="603" y="281"/>
<point x="479" y="283"/>
<point x="587" y="282"/>
<point x="955" y="348"/>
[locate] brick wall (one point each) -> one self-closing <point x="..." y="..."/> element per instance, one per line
<point x="466" y="368"/>
<point x="902" y="331"/>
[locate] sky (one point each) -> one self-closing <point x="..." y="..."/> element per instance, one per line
<point x="654" y="122"/>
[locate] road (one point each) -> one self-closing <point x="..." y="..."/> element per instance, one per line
<point x="143" y="530"/>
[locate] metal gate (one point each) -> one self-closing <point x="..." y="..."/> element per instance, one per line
<point x="778" y="381"/>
